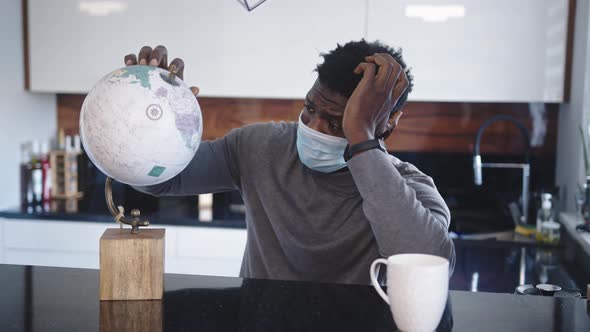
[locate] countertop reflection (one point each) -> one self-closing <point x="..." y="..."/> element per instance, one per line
<point x="59" y="299"/>
<point x="496" y="266"/>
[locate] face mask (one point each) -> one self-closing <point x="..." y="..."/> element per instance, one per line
<point x="318" y="151"/>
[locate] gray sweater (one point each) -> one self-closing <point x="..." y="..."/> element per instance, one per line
<point x="306" y="225"/>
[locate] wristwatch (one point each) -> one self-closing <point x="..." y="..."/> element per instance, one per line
<point x="363" y="146"/>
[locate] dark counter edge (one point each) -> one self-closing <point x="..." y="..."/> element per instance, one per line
<point x="154" y="221"/>
<point x="216" y="223"/>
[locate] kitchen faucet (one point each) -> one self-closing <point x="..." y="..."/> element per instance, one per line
<point x="526" y="168"/>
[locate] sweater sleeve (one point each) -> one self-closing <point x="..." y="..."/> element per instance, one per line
<point x="406" y="212"/>
<point x="214" y="168"/>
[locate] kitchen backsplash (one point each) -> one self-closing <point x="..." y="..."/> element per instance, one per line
<point x="424" y="126"/>
<point x="436" y="137"/>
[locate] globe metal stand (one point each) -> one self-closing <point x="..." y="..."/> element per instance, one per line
<point x="118" y="213"/>
<point x="131" y="263"/>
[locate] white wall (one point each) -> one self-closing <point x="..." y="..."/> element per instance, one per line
<point x="23" y="115"/>
<point x="570" y="167"/>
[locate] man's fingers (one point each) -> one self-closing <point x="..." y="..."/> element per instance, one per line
<point x="144" y="55"/>
<point x="177" y="67"/>
<point x="381" y="58"/>
<point x="130" y="60"/>
<point x="387" y="67"/>
<point x="195" y="90"/>
<point x="368" y="70"/>
<point x="400" y="87"/>
<point x="395" y="77"/>
<point x="159" y="57"/>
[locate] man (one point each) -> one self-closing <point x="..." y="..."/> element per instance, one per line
<point x="323" y="198"/>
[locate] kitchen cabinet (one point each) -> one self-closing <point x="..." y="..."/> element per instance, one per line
<point x="269" y="52"/>
<point x="463" y="50"/>
<point x="189" y="249"/>
<point x="478" y="50"/>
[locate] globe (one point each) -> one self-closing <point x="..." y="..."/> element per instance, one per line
<point x="140" y="126"/>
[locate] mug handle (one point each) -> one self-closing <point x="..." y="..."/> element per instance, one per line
<point x="374" y="278"/>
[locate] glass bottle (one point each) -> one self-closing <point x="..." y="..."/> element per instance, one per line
<point x="37" y="176"/>
<point x="46" y="173"/>
<point x="26" y="188"/>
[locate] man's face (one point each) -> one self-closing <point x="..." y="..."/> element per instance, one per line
<point x="324" y="110"/>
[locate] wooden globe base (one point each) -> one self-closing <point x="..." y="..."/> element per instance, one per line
<point x="131" y="263"/>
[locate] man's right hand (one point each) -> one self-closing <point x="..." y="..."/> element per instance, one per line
<point x="158" y="57"/>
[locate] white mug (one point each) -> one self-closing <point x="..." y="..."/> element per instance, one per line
<point x="417" y="287"/>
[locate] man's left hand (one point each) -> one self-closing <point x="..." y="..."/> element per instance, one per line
<point x="370" y="104"/>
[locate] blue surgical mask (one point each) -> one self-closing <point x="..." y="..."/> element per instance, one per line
<point x="318" y="151"/>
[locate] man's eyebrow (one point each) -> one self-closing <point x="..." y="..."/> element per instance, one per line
<point x="329" y="112"/>
<point x="327" y="99"/>
<point x="324" y="111"/>
<point x="330" y="116"/>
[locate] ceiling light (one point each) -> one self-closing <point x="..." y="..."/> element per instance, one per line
<point x="102" y="8"/>
<point x="435" y="14"/>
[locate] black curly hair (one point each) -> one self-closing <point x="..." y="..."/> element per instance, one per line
<point x="336" y="72"/>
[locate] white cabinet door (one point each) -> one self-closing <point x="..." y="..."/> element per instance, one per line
<point x="477" y="50"/>
<point x="189" y="250"/>
<point x="269" y="52"/>
<point x="51" y="243"/>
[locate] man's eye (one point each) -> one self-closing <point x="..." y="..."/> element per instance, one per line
<point x="309" y="108"/>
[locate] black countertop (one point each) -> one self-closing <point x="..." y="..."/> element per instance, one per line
<point x="177" y="215"/>
<point x="58" y="299"/>
<point x="154" y="218"/>
<point x="495" y="266"/>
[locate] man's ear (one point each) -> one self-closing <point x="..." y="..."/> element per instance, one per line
<point x="394" y="119"/>
<point x="391" y="124"/>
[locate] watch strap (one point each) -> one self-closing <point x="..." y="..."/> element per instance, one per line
<point x="363" y="146"/>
